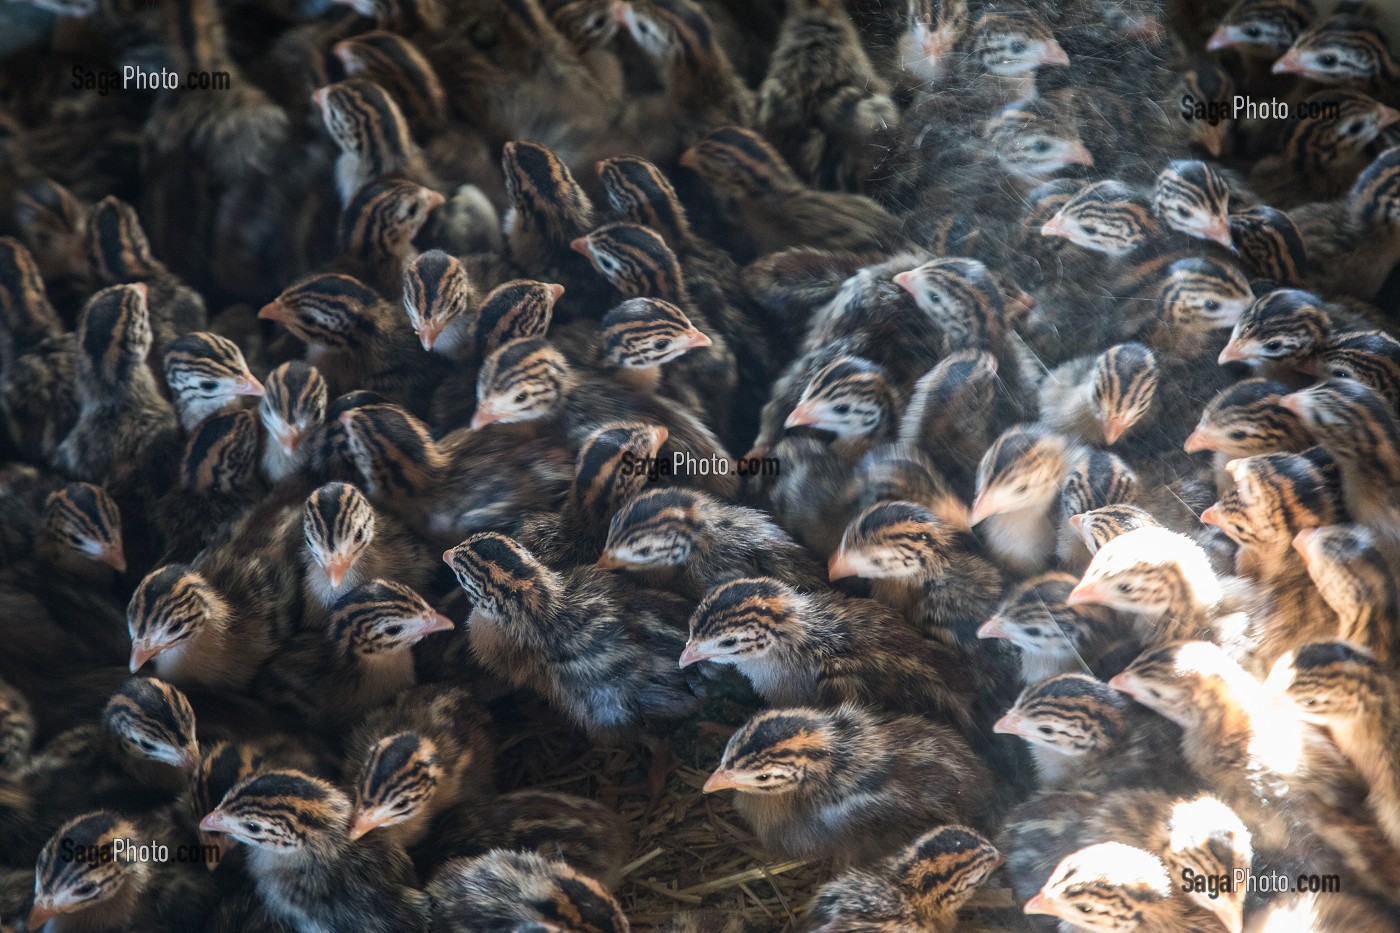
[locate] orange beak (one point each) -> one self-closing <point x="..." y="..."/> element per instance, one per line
<point x="336" y="570"/>
<point x="273" y="311"/>
<point x="992" y="628"/>
<point x="248" y="385"/>
<point x="1386" y="116"/>
<point x="693" y="655"/>
<point x="1219" y="231"/>
<point x="1086" y="592"/>
<point x="983" y="508"/>
<point x="428" y="333"/>
<point x="1213" y="138"/>
<point x="608" y="561"/>
<point x="113" y="557"/>
<point x="1197" y="441"/>
<point x="318" y="97"/>
<point x="40" y="914"/>
<point x="1077" y="523"/>
<point x="216" y="821"/>
<point x="1290" y="64"/>
<point x="485" y="415"/>
<point x="687" y="160"/>
<point x="1041" y="904"/>
<point x="802" y="415"/>
<point x="1211" y="516"/>
<point x="434" y="199"/>
<point x="694" y="339"/>
<point x="367" y="821"/>
<point x="1292" y="403"/>
<point x="1078" y="154"/>
<point x="580" y="246"/>
<point x="619" y="14"/>
<point x="1233" y="353"/>
<point x="909" y="281"/>
<point x="1303" y="540"/>
<point x="721" y="780"/>
<point x="1054" y="54"/>
<point x="556" y="290"/>
<point x="141" y="653"/>
<point x="1114" y="428"/>
<point x="1123" y="683"/>
<point x="839" y="566"/>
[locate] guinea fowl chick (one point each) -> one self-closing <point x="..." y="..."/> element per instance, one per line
<point x="641" y="335"/>
<point x="1261" y="761"/>
<point x="1084" y="735"/>
<point x="372" y="134"/>
<point x="347" y="543"/>
<point x="690" y="542"/>
<point x="919" y="890"/>
<point x="1099" y="399"/>
<point x="1018" y="488"/>
<point x="352" y="336"/>
<point x="519" y="891"/>
<point x="1097" y="479"/>
<point x="822" y="649"/>
<point x="110" y="892"/>
<point x="1359" y="428"/>
<point x="1280" y="335"/>
<point x="1371" y="357"/>
<point x="206" y="373"/>
<point x="852" y="398"/>
<point x="1162" y="579"/>
<point x="293" y="405"/>
<point x="1342" y="686"/>
<point x="1346" y="48"/>
<point x="949" y="413"/>
<point x="1270" y="246"/>
<point x="425" y="752"/>
<point x="928" y="568"/>
<point x="82" y="526"/>
<point x="195" y="634"/>
<point x="1246" y="420"/>
<point x="1053" y="637"/>
<point x="122" y="417"/>
<point x="1113" y="888"/>
<point x="1193" y="198"/>
<point x="1323" y="156"/>
<point x="154" y="724"/>
<point x="599" y="651"/>
<point x="307" y="872"/>
<point x="847" y="784"/>
<point x="1354" y="577"/>
<point x="769" y="204"/>
<point x="1353" y="243"/>
<point x="441" y="302"/>
<point x="361" y="659"/>
<point x="1102" y="525"/>
<point x="376" y="232"/>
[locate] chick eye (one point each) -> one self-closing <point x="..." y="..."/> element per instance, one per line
<point x="392" y="630"/>
<point x="208" y="385"/>
<point x="86" y="889"/>
<point x="1182" y="212"/>
<point x="1126" y="588"/>
<point x="1212" y="305"/>
<point x="252" y="827"/>
<point x="662" y="344"/>
<point x="1351" y="129"/>
<point x="1252" y="32"/>
<point x="520" y="398"/>
<point x="1089" y="229"/>
<point x="1085" y="909"/>
<point x="763" y="778"/>
<point x="841" y="409"/>
<point x="1046" y="730"/>
<point x="1041" y="147"/>
<point x="1327" y="61"/>
<point x="1033" y="631"/>
<point x="401" y="806"/>
<point x="727" y="642"/>
<point x="1022" y="487"/>
<point x="1018" y="48"/>
<point x="1238" y="435"/>
<point x="145" y="745"/>
<point x="1273" y="346"/>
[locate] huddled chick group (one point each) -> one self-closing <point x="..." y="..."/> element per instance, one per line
<point x="964" y="391"/>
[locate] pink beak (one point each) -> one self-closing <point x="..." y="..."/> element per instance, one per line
<point x="1114" y="429"/>
<point x="1292" y="403"/>
<point x="337" y="569"/>
<point x="983" y="508"/>
<point x="114" y="557"/>
<point x="1387" y="116"/>
<point x="318" y="97"/>
<point x="141" y="653"/>
<point x="1197" y="441"/>
<point x="1010" y="724"/>
<point x="693" y="655"/>
<point x="1055" y="226"/>
<point x="1077" y="522"/>
<point x="40" y="914"/>
<point x="1040" y="904"/>
<point x="720" y="780"/>
<point x="992" y="628"/>
<point x="1078" y="154"/>
<point x="694" y="339"/>
<point x="485" y="415"/>
<point x="687" y="160"/>
<point x="1219" y="231"/>
<point x="273" y="311"/>
<point x="580" y="246"/>
<point x="555" y="290"/>
<point x="1303" y="540"/>
<point x="1123" y="683"/>
<point x="1084" y="593"/>
<point x="609" y="562"/>
<point x="839" y="566"/>
<point x="214" y="822"/>
<point x="1211" y="516"/>
<point x="1233" y="353"/>
<point x="1054" y="54"/>
<point x="909" y="281"/>
<point x="248" y="385"/>
<point x="437" y="622"/>
<point x="428" y="333"/>
<point x="1220" y="39"/>
<point x="1290" y="64"/>
<point x="801" y="416"/>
